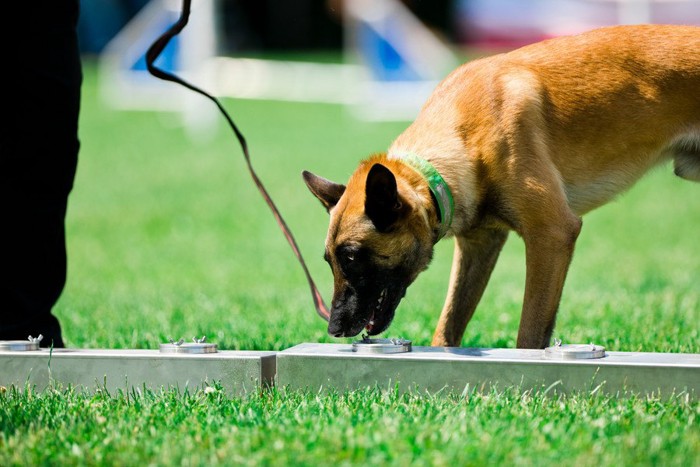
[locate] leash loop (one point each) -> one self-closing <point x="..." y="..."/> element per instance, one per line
<point x="151" y="55"/>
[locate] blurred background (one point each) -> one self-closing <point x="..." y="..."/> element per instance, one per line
<point x="256" y="25"/>
<point x="379" y="58"/>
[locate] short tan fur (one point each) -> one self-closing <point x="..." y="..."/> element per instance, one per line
<point x="527" y="141"/>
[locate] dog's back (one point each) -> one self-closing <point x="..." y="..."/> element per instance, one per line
<point x="602" y="107"/>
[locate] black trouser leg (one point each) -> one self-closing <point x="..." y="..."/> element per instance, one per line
<point x="38" y="150"/>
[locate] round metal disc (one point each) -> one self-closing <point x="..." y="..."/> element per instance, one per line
<point x="381" y="346"/>
<point x="189" y="348"/>
<point x="574" y="352"/>
<point x="18" y="346"/>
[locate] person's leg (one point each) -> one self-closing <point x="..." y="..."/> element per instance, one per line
<point x="39" y="149"/>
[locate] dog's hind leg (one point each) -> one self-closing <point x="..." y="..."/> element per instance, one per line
<point x="686" y="164"/>
<point x="474" y="259"/>
<point x="686" y="156"/>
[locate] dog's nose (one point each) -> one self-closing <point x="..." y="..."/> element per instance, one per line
<point x="335" y="330"/>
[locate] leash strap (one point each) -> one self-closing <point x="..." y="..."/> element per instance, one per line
<point x="151" y="55"/>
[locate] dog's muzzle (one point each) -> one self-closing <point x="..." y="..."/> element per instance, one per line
<point x="351" y="314"/>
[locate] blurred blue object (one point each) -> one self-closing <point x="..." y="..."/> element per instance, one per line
<point x="101" y="20"/>
<point x="384" y="61"/>
<point x="169" y="59"/>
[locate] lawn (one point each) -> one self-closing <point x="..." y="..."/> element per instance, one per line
<point x="167" y="236"/>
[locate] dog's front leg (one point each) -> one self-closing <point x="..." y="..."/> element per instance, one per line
<point x="474" y="259"/>
<point x="548" y="254"/>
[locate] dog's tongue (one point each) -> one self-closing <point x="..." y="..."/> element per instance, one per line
<point x="370" y="324"/>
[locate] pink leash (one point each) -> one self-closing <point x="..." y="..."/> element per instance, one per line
<point x="151" y="55"/>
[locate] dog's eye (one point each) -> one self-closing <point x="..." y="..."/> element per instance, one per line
<point x="350" y="259"/>
<point x="347" y="254"/>
<point x="346" y="259"/>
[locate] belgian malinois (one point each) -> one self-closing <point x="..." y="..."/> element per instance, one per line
<point x="527" y="141"/>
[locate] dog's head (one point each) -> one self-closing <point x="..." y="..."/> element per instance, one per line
<point x="379" y="239"/>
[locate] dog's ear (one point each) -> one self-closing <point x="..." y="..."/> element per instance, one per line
<point x="326" y="191"/>
<point x="382" y="203"/>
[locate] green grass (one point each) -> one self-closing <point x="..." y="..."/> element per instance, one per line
<point x="361" y="427"/>
<point x="167" y="236"/>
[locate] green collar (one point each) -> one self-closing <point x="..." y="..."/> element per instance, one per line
<point x="437" y="184"/>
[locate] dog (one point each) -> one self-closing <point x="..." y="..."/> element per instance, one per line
<point x="526" y="141"/>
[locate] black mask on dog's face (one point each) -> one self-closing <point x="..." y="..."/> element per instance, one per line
<point x="366" y="293"/>
<point x="372" y="250"/>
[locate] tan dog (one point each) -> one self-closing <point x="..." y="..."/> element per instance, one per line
<point x="525" y="141"/>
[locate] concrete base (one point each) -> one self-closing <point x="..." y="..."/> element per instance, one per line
<point x="314" y="366"/>
<point x="237" y="371"/>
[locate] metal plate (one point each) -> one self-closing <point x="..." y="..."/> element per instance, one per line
<point x="456" y="370"/>
<point x="381" y="346"/>
<point x="189" y="348"/>
<point x="18" y="346"/>
<point x="238" y="371"/>
<point x="574" y="352"/>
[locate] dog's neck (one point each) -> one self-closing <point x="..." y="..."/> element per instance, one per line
<point x="442" y="195"/>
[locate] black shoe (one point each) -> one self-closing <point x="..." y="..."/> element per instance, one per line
<point x="50" y="330"/>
